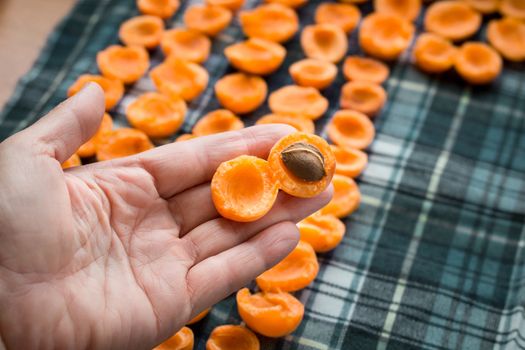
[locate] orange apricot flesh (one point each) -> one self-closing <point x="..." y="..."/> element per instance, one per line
<point x="122" y="143"/>
<point x="145" y="31"/>
<point x="433" y="53"/>
<point x="346" y="198"/>
<point x="365" y="69"/>
<point x="220" y="120"/>
<point x="113" y="88"/>
<point x="293" y="99"/>
<point x="199" y="317"/>
<point x="299" y="122"/>
<point x="241" y="93"/>
<point x="182" y="340"/>
<point x="345" y="16"/>
<point x="351" y="129"/>
<point x="89" y="148"/>
<point x="326" y="42"/>
<point x="349" y="161"/>
<point x="507" y="35"/>
<point x="322" y="232"/>
<point x="513" y="8"/>
<point x="256" y="56"/>
<point x="178" y="77"/>
<point x="478" y="63"/>
<point x="453" y="20"/>
<point x="363" y="96"/>
<point x="274" y="22"/>
<point x="185" y="137"/>
<point x="484" y="6"/>
<point x="290" y="3"/>
<point x="243" y="189"/>
<point x="314" y="73"/>
<point x="230" y="337"/>
<point x="127" y="64"/>
<point x="408" y="9"/>
<point x="186" y="44"/>
<point x="72" y="161"/>
<point x="160" y="8"/>
<point x="207" y="19"/>
<point x="272" y="314"/>
<point x="232" y="5"/>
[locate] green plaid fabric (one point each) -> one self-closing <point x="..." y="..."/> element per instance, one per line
<point x="435" y="256"/>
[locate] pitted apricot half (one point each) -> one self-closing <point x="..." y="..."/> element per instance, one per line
<point x="207" y="19"/>
<point x="385" y="36"/>
<point x="274" y="22"/>
<point x="322" y="232"/>
<point x="241" y="93"/>
<point x="363" y="96"/>
<point x="408" y="9"/>
<point x="232" y="5"/>
<point x="220" y="120"/>
<point x="244" y="189"/>
<point x="199" y="317"/>
<point x="293" y="99"/>
<point x="294" y="272"/>
<point x="433" y="53"/>
<point x="230" y="337"/>
<point x="145" y="31"/>
<point x="351" y="129"/>
<point x="270" y="314"/>
<point x="256" y="56"/>
<point x="127" y="64"/>
<point x="326" y="42"/>
<point x="349" y="161"/>
<point x="454" y="20"/>
<point x="72" y="161"/>
<point x="156" y="114"/>
<point x="303" y="164"/>
<point x="484" y="6"/>
<point x="478" y="63"/>
<point x="160" y="8"/>
<point x="290" y="3"/>
<point x="314" y="73"/>
<point x="122" y="143"/>
<point x="182" y="340"/>
<point x="185" y="137"/>
<point x="89" y="148"/>
<point x="113" y="88"/>
<point x="345" y="16"/>
<point x="346" y="198"/>
<point x="299" y="122"/>
<point x="178" y="77"/>
<point x="507" y="35"/>
<point x="186" y="44"/>
<point x="365" y="69"/>
<point x="512" y="8"/>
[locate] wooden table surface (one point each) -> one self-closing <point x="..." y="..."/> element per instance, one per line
<point x="24" y="27"/>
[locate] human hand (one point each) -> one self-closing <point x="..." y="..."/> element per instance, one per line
<point x="121" y="254"/>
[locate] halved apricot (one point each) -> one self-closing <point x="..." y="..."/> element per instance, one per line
<point x="182" y="340"/>
<point x="349" y="161"/>
<point x="232" y="5"/>
<point x="513" y="8"/>
<point x="293" y="99"/>
<point x="113" y="88"/>
<point x="363" y="96"/>
<point x="303" y="164"/>
<point x="274" y="22"/>
<point x="365" y="69"/>
<point x="241" y="93"/>
<point x="256" y="56"/>
<point x="230" y="337"/>
<point x="323" y="232"/>
<point x="433" y="53"/>
<point x="408" y="9"/>
<point x="72" y="161"/>
<point x="326" y="42"/>
<point x="290" y="3"/>
<point x="156" y="114"/>
<point x="220" y="120"/>
<point x="145" y="31"/>
<point x="351" y="129"/>
<point x="89" y="148"/>
<point x="385" y="36"/>
<point x="314" y="73"/>
<point x="299" y="122"/>
<point x="122" y="143"/>
<point x="454" y="20"/>
<point x="270" y="314"/>
<point x="179" y="77"/>
<point x="127" y="64"/>
<point x="294" y="272"/>
<point x="507" y="35"/>
<point x="345" y="16"/>
<point x="186" y="44"/>
<point x="484" y="6"/>
<point x="160" y="8"/>
<point x="207" y="19"/>
<point x="244" y="189"/>
<point x="199" y="317"/>
<point x="478" y="63"/>
<point x="185" y="137"/>
<point x="346" y="197"/>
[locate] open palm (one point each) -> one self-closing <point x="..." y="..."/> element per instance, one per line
<point x="121" y="254"/>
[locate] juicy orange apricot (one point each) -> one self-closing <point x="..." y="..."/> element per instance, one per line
<point x="507" y="35"/>
<point x="454" y="20"/>
<point x="346" y="198"/>
<point x="186" y="44"/>
<point x="299" y="122"/>
<point x="122" y="143"/>
<point x="127" y="64"/>
<point x="145" y="31"/>
<point x="300" y="174"/>
<point x="349" y="161"/>
<point x="199" y="317"/>
<point x="351" y="129"/>
<point x="294" y="272"/>
<point x="89" y="148"/>
<point x="230" y="337"/>
<point x="385" y="36"/>
<point x="512" y="8"/>
<point x="72" y="161"/>
<point x="408" y="9"/>
<point x="363" y="96"/>
<point x="293" y="99"/>
<point x="179" y="77"/>
<point x="256" y="56"/>
<point x="156" y="114"/>
<point x="160" y="8"/>
<point x="270" y="314"/>
<point x="290" y="3"/>
<point x="326" y="42"/>
<point x="478" y="63"/>
<point x="274" y="22"/>
<point x="232" y="5"/>
<point x="185" y="137"/>
<point x="433" y="53"/>
<point x="365" y="69"/>
<point x="484" y="6"/>
<point x="323" y="232"/>
<point x="182" y="340"/>
<point x="220" y="120"/>
<point x="241" y="93"/>
<point x="345" y="16"/>
<point x="207" y="19"/>
<point x="243" y="189"/>
<point x="113" y="88"/>
<point x="314" y="73"/>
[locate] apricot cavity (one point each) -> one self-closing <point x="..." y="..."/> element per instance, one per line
<point x="220" y="120"/>
<point x="346" y="198"/>
<point x="207" y="19"/>
<point x="160" y="8"/>
<point x="274" y="22"/>
<point x="256" y="56"/>
<point x="507" y="35"/>
<point x="454" y="20"/>
<point x="314" y="73"/>
<point x="182" y="340"/>
<point x="433" y="53"/>
<point x="326" y="42"/>
<point x="365" y="69"/>
<point x="299" y="122"/>
<point x="241" y="93"/>
<point x="322" y="232"/>
<point x="293" y="99"/>
<point x="478" y="63"/>
<point x="122" y="143"/>
<point x="178" y="77"/>
<point x="113" y="88"/>
<point x="351" y="129"/>
<point x="145" y="31"/>
<point x="363" y="96"/>
<point x="349" y="161"/>
<point x="345" y="16"/>
<point x="127" y="64"/>
<point x="230" y="337"/>
<point x="186" y="44"/>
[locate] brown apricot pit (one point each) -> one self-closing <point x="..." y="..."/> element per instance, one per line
<point x="304" y="161"/>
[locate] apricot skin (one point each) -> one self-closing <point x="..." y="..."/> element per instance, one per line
<point x="470" y="68"/>
<point x="346" y="16"/>
<point x="346" y="197"/>
<point x="182" y="340"/>
<point x="273" y="22"/>
<point x="241" y="93"/>
<point x="351" y="129"/>
<point x="127" y="64"/>
<point x="143" y="31"/>
<point x="434" y="54"/>
<point x="181" y="78"/>
<point x="323" y="232"/>
<point x="227" y="337"/>
<point x="365" y="69"/>
<point x="207" y="19"/>
<point x="256" y="56"/>
<point x="443" y="18"/>
<point x="313" y="73"/>
<point x="293" y="99"/>
<point x="364" y="97"/>
<point x="507" y="35"/>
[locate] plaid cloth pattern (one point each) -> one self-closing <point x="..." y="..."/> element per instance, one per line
<point x="435" y="256"/>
